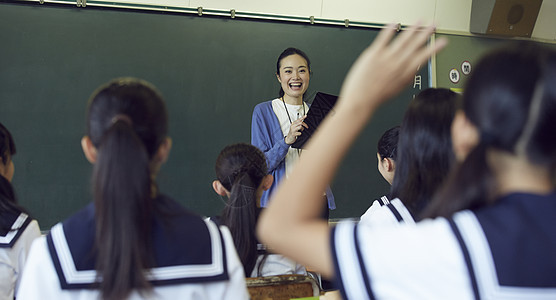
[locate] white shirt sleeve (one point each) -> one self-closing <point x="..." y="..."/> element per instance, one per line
<point x="25" y="241"/>
<point x="39" y="280"/>
<point x="12" y="260"/>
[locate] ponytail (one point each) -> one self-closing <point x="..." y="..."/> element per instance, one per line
<point x="240" y="216"/>
<point x="470" y="186"/>
<point x="124" y="212"/>
<point x="240" y="168"/>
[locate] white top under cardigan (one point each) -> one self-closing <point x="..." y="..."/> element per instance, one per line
<point x="295" y="112"/>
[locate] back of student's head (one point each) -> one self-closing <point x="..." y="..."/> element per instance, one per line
<point x="511" y="99"/>
<point x="126" y="122"/>
<point x="388" y="143"/>
<point x="240" y="168"/>
<point x="425" y="152"/>
<point x="7" y="144"/>
<point x="8" y="201"/>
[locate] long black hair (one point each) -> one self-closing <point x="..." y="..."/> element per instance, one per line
<point x="511" y="99"/>
<point x="8" y="200"/>
<point x="241" y="168"/>
<point x="126" y="122"/>
<point x="425" y="152"/>
<point x="286" y="53"/>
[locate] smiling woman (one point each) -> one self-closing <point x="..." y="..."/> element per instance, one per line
<point x="277" y="123"/>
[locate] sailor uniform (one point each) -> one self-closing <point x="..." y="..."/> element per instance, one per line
<point x="193" y="259"/>
<point x="275" y="264"/>
<point x="505" y="251"/>
<point x="387" y="212"/>
<point x="14" y="246"/>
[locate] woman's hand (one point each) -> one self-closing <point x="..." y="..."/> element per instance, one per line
<point x="295" y="130"/>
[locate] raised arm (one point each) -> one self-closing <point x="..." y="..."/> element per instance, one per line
<point x="291" y="224"/>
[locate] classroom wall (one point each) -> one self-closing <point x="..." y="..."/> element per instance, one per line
<point x="448" y="15"/>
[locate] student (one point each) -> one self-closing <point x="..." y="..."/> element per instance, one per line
<point x="500" y="246"/>
<point x="424" y="159"/>
<point x="242" y="177"/>
<point x="387" y="151"/>
<point x="386" y="156"/>
<point x="277" y="123"/>
<point x="17" y="229"/>
<point x="132" y="241"/>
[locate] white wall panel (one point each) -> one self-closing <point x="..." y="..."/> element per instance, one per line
<point x="453" y="15"/>
<point x="545" y="28"/>
<point x="178" y="3"/>
<point x="380" y="11"/>
<point x="284" y="7"/>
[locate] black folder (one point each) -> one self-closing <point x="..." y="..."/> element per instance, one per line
<point x="322" y="105"/>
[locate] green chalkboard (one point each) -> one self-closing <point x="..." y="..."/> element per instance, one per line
<point x="212" y="71"/>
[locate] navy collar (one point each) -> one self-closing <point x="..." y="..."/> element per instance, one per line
<point x="176" y="258"/>
<point x="18" y="224"/>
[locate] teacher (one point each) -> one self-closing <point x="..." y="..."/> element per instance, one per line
<point x="277" y="123"/>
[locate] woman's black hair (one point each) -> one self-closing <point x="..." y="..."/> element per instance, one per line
<point x="8" y="200"/>
<point x="286" y="53"/>
<point x="241" y="168"/>
<point x="511" y="99"/>
<point x="126" y="122"/>
<point x="425" y="152"/>
<point x="387" y="146"/>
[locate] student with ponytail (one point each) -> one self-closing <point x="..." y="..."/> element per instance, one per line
<point x="132" y="241"/>
<point x="490" y="234"/>
<point x="17" y="228"/>
<point x="242" y="177"/>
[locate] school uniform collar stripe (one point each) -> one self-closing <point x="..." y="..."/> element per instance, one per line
<point x="483" y="264"/>
<point x="467" y="259"/>
<point x="395" y="212"/>
<point x="196" y="271"/>
<point x="353" y="283"/>
<point x="66" y="265"/>
<point x="362" y="265"/>
<point x="383" y="200"/>
<point x="71" y="278"/>
<point x="402" y="211"/>
<point x="17" y="228"/>
<point x="338" y="278"/>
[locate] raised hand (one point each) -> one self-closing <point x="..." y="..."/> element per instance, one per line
<point x="388" y="65"/>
